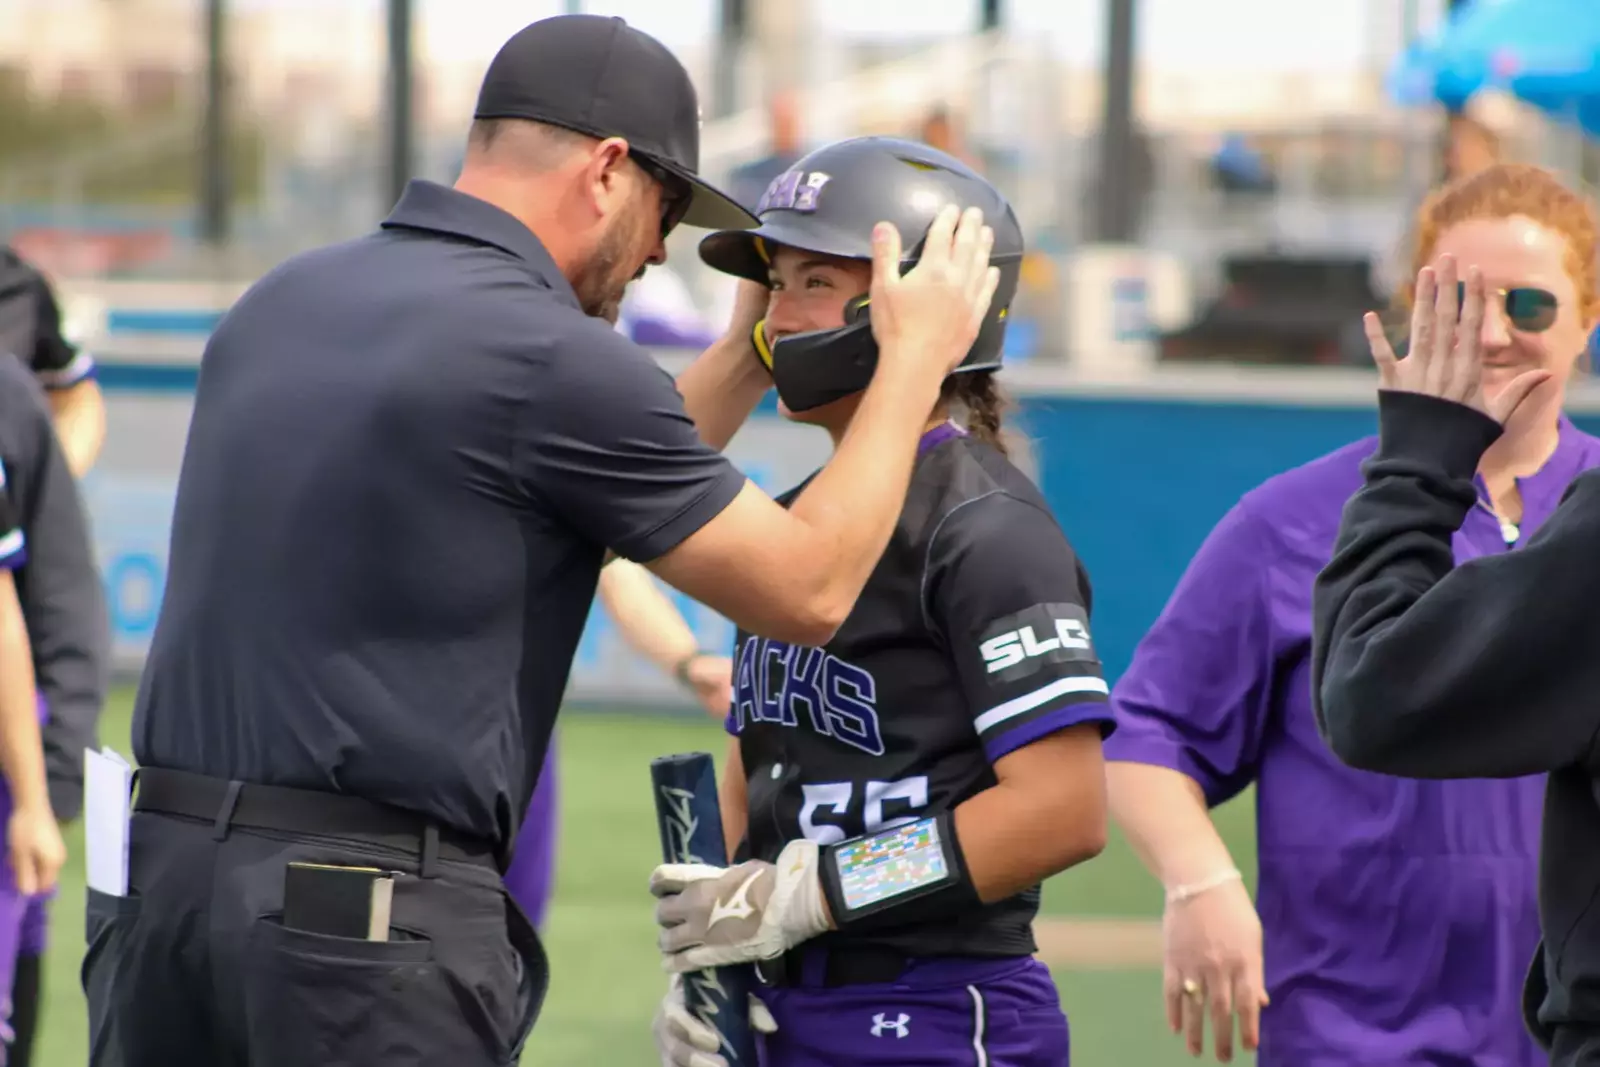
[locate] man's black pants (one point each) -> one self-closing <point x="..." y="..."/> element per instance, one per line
<point x="195" y="966"/>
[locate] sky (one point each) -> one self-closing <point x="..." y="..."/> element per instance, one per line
<point x="1173" y="34"/>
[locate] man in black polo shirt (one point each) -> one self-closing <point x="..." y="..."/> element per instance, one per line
<point x="408" y="458"/>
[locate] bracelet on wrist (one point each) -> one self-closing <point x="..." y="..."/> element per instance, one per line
<point x="1179" y="893"/>
<point x="680" y="670"/>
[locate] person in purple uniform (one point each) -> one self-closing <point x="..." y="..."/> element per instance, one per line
<point x="1395" y="918"/>
<point x="894" y="798"/>
<point x="654" y="628"/>
<point x="34" y="849"/>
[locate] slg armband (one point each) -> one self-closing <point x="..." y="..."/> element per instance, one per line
<point x="904" y="874"/>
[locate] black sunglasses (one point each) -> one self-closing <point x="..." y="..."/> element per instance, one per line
<point x="1528" y="309"/>
<point x="676" y="194"/>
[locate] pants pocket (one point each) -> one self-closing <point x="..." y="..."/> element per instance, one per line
<point x="533" y="973"/>
<point x="342" y="1002"/>
<point x="105" y="919"/>
<point x="109" y="963"/>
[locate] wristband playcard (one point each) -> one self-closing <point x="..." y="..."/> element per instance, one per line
<point x="876" y="869"/>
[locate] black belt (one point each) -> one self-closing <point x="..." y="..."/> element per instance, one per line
<point x="841" y="965"/>
<point x="247" y="805"/>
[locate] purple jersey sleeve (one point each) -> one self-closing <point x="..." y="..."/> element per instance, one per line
<point x="1008" y="596"/>
<point x="1197" y="694"/>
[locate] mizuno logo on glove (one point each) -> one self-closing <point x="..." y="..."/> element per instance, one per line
<point x="737" y="906"/>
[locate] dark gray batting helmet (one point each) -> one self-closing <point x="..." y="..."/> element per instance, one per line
<point x="829" y="202"/>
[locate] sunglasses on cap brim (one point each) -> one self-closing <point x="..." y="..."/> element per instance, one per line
<point x="1528" y="309"/>
<point x="675" y="194"/>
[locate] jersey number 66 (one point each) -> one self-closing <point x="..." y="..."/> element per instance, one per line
<point x="908" y="795"/>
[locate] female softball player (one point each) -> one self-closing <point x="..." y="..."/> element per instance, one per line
<point x="1398" y="916"/>
<point x="896" y="796"/>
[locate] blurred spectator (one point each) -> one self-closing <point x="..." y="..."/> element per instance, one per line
<point x="938" y="129"/>
<point x="659" y="311"/>
<point x="748" y="181"/>
<point x="31" y="328"/>
<point x="1471" y="145"/>
<point x="1239" y="169"/>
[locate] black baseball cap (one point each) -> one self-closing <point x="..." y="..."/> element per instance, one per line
<point x="597" y="75"/>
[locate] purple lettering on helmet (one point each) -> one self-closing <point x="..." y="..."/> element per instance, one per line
<point x="780" y="194"/>
<point x="792" y="191"/>
<point x="806" y="196"/>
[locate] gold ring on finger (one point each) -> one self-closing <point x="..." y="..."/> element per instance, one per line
<point x="1191" y="988"/>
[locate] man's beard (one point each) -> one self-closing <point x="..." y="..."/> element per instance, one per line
<point x="603" y="280"/>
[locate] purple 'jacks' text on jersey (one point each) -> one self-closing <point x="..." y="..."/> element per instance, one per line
<point x="970" y="640"/>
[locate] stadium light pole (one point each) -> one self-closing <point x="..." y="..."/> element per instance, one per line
<point x="215" y="177"/>
<point x="401" y="123"/>
<point x="1114" y="199"/>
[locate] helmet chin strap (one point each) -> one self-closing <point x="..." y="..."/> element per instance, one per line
<point x="758" y="337"/>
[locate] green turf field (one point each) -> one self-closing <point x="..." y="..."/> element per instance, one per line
<point x="606" y="976"/>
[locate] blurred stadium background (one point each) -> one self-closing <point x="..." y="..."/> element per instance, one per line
<point x="1214" y="193"/>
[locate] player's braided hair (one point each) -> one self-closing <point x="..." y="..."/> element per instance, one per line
<point x="982" y="403"/>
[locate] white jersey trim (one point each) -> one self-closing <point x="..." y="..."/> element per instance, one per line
<point x="80" y="369"/>
<point x="1028" y="701"/>
<point x="11" y="544"/>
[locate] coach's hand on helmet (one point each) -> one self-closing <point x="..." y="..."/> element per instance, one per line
<point x="684" y="1041"/>
<point x="1213" y="967"/>
<point x="932" y="313"/>
<point x="711" y="916"/>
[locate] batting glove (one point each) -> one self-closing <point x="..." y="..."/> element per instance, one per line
<point x="684" y="1041"/>
<point x="712" y="916"/>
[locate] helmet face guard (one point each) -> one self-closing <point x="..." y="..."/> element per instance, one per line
<point x="820" y="366"/>
<point x="828" y="203"/>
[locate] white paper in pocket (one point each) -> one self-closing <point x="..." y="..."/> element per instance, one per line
<point x="107" y="785"/>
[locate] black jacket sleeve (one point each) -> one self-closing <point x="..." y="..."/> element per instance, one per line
<point x="1424" y="669"/>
